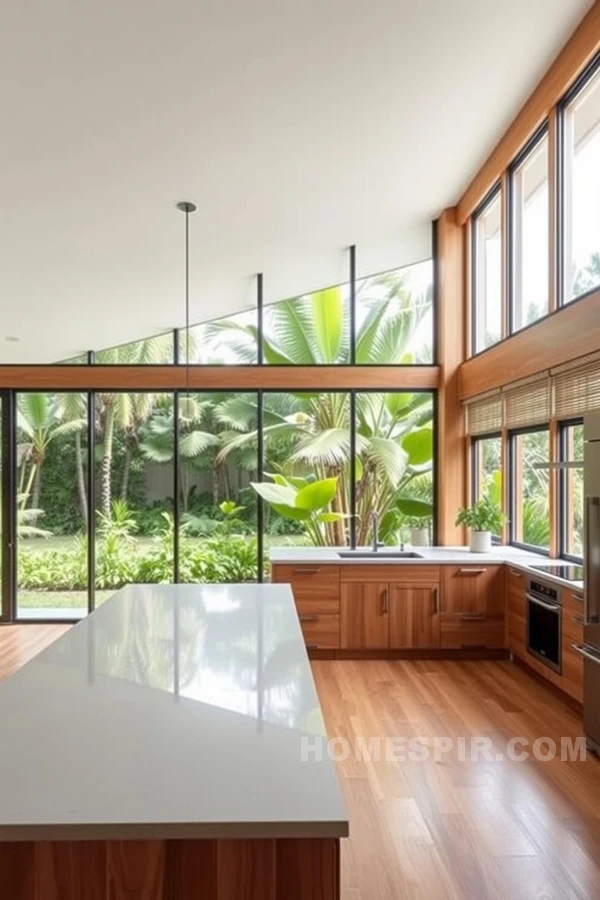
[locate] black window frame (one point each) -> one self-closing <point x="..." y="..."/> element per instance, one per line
<point x="492" y="194"/>
<point x="542" y="133"/>
<point x="563" y="426"/>
<point x="512" y="500"/>
<point x="590" y="71"/>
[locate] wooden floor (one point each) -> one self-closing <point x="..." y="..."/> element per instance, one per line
<point x="448" y="829"/>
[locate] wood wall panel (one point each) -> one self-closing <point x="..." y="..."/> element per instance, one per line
<point x="270" y="869"/>
<point x="577" y="52"/>
<point x="167" y="378"/>
<point x="451" y="440"/>
<point x="570" y="332"/>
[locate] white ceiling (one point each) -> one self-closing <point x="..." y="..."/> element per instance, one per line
<point x="298" y="128"/>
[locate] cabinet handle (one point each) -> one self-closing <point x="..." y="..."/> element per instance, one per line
<point x="516" y="574"/>
<point x="309" y="618"/>
<point x="304" y="570"/>
<point x="473" y="617"/>
<point x="471" y="571"/>
<point x="312" y="646"/>
<point x="578" y="620"/>
<point x="577" y="597"/>
<point x="436" y="599"/>
<point x="384" y="602"/>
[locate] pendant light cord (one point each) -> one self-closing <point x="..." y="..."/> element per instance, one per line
<point x="187" y="207"/>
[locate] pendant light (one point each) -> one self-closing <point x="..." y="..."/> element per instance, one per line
<point x="187" y="207"/>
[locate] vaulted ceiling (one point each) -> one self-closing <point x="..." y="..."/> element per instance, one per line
<point x="297" y="129"/>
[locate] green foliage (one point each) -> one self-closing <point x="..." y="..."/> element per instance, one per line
<point x="485" y="515"/>
<point x="303" y="500"/>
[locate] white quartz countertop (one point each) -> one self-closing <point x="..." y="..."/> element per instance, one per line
<point x="172" y="711"/>
<point x="521" y="559"/>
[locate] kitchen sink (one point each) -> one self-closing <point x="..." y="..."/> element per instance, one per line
<point x="379" y="554"/>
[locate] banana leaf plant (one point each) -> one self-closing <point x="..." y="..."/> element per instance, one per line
<point x="305" y="500"/>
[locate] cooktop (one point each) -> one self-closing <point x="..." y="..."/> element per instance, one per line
<point x="569" y="573"/>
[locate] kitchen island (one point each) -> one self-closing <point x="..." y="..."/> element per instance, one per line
<point x="154" y="752"/>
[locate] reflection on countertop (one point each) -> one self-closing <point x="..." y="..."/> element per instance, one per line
<point x="203" y="691"/>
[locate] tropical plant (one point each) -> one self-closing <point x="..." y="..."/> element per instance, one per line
<point x="484" y="515"/>
<point x="305" y="500"/>
<point x="39" y="421"/>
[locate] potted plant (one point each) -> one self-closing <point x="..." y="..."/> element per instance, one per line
<point x="482" y="518"/>
<point x="419" y="530"/>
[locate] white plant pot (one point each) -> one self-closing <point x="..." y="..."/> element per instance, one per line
<point x="419" y="537"/>
<point x="480" y="541"/>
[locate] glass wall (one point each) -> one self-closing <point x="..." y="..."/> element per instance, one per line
<point x="394" y="317"/>
<point x="230" y="341"/>
<point x="530" y="519"/>
<point x="309" y="330"/>
<point x="487" y="273"/>
<point x="51" y="505"/>
<point x="571" y="512"/>
<point x="134" y="489"/>
<point x="530" y="236"/>
<point x="307" y="469"/>
<point x="218" y="451"/>
<point x="141" y="489"/>
<point x="157" y="350"/>
<point x="394" y="468"/>
<point x="581" y="193"/>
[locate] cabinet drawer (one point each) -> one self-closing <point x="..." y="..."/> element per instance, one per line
<point x="473" y="589"/>
<point x="469" y="631"/>
<point x="572" y="671"/>
<point x="572" y="625"/>
<point x="573" y="601"/>
<point x="321" y="632"/>
<point x="316" y="589"/>
<point x="394" y="573"/>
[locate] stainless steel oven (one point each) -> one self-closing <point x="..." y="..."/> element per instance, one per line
<point x="544" y="613"/>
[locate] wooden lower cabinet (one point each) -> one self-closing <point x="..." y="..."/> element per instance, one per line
<point x="414" y="616"/>
<point x="321" y="632"/>
<point x="572" y="633"/>
<point x="472" y="631"/>
<point x="364" y="616"/>
<point x="516" y="611"/>
<point x="387" y="616"/>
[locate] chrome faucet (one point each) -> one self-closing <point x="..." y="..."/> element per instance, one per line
<point x="375" y="520"/>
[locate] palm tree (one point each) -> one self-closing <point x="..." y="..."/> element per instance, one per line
<point x="73" y="407"/>
<point x="40" y="421"/>
<point x="310" y="433"/>
<point x="126" y="411"/>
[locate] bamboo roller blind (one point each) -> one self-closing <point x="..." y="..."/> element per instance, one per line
<point x="566" y="392"/>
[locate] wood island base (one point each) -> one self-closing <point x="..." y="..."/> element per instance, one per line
<point x="253" y="869"/>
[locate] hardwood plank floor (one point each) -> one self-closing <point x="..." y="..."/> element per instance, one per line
<point x="473" y="830"/>
<point x="468" y="830"/>
<point x="20" y="643"/>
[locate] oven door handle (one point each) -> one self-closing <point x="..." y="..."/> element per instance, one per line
<point x="553" y="607"/>
<point x="583" y="651"/>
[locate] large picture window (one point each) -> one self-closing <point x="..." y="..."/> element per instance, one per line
<point x="394" y="317"/>
<point x="529" y="235"/>
<point x="529" y="488"/>
<point x="52" y="505"/>
<point x="487" y="272"/>
<point x="571" y="492"/>
<point x="581" y="188"/>
<point x="486" y="469"/>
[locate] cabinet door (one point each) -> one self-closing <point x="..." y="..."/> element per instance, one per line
<point x="516" y="608"/>
<point x="414" y="615"/>
<point x="473" y="589"/>
<point x="364" y="616"/>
